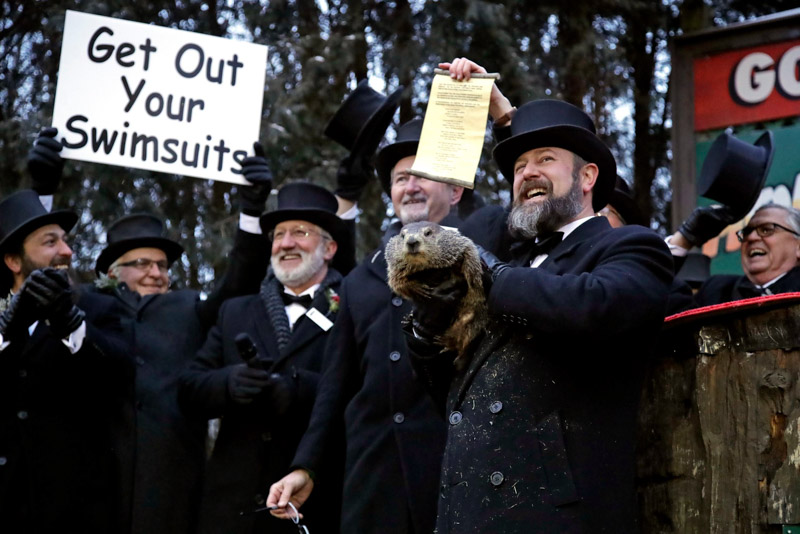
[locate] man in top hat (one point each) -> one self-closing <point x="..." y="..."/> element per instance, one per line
<point x="734" y="173"/>
<point x="394" y="435"/>
<point x="359" y="125"/>
<point x="542" y="418"/>
<point x="770" y="256"/>
<point x="621" y="209"/>
<point x="59" y="369"/>
<point x="264" y="395"/>
<point x="161" y="451"/>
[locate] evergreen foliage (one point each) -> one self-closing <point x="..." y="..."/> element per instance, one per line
<point x="604" y="56"/>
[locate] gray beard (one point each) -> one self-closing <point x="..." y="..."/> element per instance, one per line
<point x="412" y="215"/>
<point x="529" y="220"/>
<point x="310" y="266"/>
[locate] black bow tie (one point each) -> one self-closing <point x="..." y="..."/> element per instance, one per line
<point x="527" y="251"/>
<point x="303" y="300"/>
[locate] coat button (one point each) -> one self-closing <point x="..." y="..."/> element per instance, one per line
<point x="397" y="302"/>
<point x="139" y="361"/>
<point x="266" y="436"/>
<point x="399" y="418"/>
<point x="455" y="418"/>
<point x="23" y="373"/>
<point x="394" y="356"/>
<point x="258" y="498"/>
<point x="22" y="414"/>
<point x="496" y="406"/>
<point x="496" y="478"/>
<point x="3" y="460"/>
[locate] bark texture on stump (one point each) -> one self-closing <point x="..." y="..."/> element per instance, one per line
<point x="719" y="445"/>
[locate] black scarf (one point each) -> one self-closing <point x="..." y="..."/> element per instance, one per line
<point x="271" y="290"/>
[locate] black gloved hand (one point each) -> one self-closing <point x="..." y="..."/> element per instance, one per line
<point x="45" y="163"/>
<point x="245" y="383"/>
<point x="18" y="315"/>
<point x="255" y="169"/>
<point x="280" y="391"/>
<point x="53" y="293"/>
<point x="494" y="266"/>
<point x="432" y="315"/>
<point x="706" y="222"/>
<point x="353" y="175"/>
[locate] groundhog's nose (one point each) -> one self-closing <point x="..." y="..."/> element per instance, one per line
<point x="412" y="244"/>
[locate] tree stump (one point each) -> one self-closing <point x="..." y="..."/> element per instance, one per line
<point x="719" y="445"/>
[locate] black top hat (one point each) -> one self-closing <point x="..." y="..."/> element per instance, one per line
<point x="22" y="212"/>
<point x="734" y="172"/>
<point x="405" y="144"/>
<point x="306" y="202"/>
<point x="622" y="201"/>
<point x="363" y="116"/>
<point x="138" y="230"/>
<point x="555" y="123"/>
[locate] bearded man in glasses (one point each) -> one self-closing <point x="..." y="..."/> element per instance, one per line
<point x="264" y="390"/>
<point x="770" y="256"/>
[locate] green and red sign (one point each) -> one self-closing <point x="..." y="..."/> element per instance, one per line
<point x="751" y="89"/>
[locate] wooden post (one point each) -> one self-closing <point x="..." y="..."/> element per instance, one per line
<point x="719" y="445"/>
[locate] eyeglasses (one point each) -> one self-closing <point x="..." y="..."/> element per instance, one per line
<point x="144" y="264"/>
<point x="301" y="528"/>
<point x="295" y="518"/>
<point x="298" y="233"/>
<point x="763" y="230"/>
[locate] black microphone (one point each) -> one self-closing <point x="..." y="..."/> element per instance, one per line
<point x="247" y="350"/>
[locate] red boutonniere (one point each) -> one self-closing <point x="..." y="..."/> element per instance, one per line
<point x="333" y="300"/>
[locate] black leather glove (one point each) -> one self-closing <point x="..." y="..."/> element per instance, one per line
<point x="246" y="383"/>
<point x="494" y="266"/>
<point x="706" y="222"/>
<point x="53" y="293"/>
<point x="18" y="315"/>
<point x="280" y="391"/>
<point x="45" y="163"/>
<point x="431" y="316"/>
<point x="353" y="175"/>
<point x="255" y="169"/>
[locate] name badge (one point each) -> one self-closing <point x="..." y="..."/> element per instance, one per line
<point x="322" y="321"/>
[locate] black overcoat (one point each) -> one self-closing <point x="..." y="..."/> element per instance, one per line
<point x="57" y="411"/>
<point x="161" y="450"/>
<point x="541" y="421"/>
<point x="729" y="287"/>
<point x="255" y="447"/>
<point x="394" y="434"/>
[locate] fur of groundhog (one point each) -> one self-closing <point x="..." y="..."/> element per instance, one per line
<point x="425" y="255"/>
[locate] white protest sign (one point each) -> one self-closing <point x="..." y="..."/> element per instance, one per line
<point x="155" y="98"/>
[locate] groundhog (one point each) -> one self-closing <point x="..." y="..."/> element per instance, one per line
<point x="425" y="255"/>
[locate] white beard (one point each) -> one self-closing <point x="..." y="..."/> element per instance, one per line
<point x="310" y="265"/>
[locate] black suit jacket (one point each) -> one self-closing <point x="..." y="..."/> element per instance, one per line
<point x="255" y="446"/>
<point x="541" y="422"/>
<point x="729" y="287"/>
